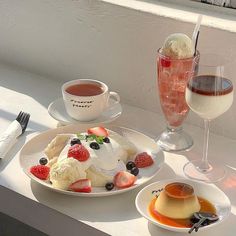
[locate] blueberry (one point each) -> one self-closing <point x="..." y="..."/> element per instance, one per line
<point x="130" y="165"/>
<point x="75" y="141"/>
<point x="43" y="161"/>
<point x="94" y="145"/>
<point x="109" y="186"/>
<point x="106" y="140"/>
<point x="134" y="171"/>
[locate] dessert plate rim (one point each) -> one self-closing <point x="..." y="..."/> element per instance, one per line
<point x="30" y="156"/>
<point x="145" y="195"/>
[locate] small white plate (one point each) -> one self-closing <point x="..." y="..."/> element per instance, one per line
<point x="208" y="191"/>
<point x="33" y="151"/>
<point x="57" y="110"/>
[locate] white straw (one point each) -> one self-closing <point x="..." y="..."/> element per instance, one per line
<point x="196" y="29"/>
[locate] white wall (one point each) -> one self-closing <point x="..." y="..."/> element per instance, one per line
<point x="69" y="39"/>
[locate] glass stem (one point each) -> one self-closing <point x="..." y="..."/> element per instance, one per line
<point x="205" y="165"/>
<point x="174" y="129"/>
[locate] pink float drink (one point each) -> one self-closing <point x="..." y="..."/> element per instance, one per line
<point x="173" y="75"/>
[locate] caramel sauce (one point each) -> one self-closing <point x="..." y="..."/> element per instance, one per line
<point x="210" y="85"/>
<point x="206" y="206"/>
<point x="179" y="190"/>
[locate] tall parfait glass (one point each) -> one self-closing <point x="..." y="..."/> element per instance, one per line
<point x="173" y="75"/>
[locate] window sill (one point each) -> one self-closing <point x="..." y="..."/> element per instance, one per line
<point x="184" y="10"/>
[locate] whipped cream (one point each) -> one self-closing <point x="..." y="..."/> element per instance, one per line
<point x="105" y="158"/>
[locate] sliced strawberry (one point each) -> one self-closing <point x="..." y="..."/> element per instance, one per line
<point x="143" y="160"/>
<point x="40" y="171"/>
<point x="124" y="179"/>
<point x="98" y="131"/>
<point x="81" y="185"/>
<point x="79" y="152"/>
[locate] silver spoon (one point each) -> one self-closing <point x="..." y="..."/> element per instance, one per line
<point x="199" y="218"/>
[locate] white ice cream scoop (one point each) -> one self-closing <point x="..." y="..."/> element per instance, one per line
<point x="178" y="46"/>
<point x="65" y="172"/>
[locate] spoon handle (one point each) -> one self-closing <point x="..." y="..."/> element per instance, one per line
<point x="197" y="225"/>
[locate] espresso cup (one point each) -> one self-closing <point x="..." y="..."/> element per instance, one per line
<point x="87" y="99"/>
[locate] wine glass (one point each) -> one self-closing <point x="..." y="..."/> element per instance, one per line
<point x="209" y="94"/>
<point x="173" y="75"/>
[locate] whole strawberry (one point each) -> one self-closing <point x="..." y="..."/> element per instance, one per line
<point x="79" y="152"/>
<point x="143" y="159"/>
<point x="40" y="171"/>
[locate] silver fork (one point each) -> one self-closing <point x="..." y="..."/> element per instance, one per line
<point x="23" y="119"/>
<point x="15" y="129"/>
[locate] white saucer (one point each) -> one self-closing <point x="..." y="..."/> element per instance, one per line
<point x="208" y="191"/>
<point x="57" y="110"/>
